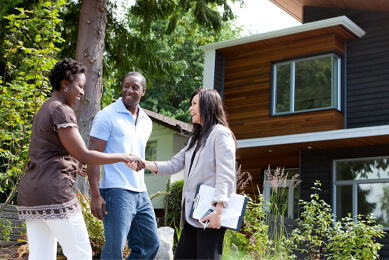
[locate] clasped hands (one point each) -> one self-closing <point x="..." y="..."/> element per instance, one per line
<point x="132" y="161"/>
<point x="135" y="162"/>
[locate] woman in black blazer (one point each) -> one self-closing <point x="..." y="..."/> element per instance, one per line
<point x="208" y="158"/>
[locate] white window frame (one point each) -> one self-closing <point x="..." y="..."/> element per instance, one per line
<point x="353" y="184"/>
<point x="335" y="88"/>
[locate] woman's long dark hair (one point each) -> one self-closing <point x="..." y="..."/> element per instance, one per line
<point x="211" y="113"/>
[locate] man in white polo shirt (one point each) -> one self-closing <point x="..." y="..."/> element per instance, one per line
<point x="122" y="200"/>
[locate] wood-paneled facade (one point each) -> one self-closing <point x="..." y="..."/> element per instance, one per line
<point x="365" y="94"/>
<point x="247" y="84"/>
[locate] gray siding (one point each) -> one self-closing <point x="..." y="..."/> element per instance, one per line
<point x="367" y="66"/>
<point x="219" y="73"/>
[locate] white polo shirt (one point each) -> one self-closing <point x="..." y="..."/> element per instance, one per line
<point x="115" y="124"/>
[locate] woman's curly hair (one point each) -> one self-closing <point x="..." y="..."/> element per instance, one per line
<point x="65" y="69"/>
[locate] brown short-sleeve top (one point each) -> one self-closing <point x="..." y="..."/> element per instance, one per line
<point x="46" y="191"/>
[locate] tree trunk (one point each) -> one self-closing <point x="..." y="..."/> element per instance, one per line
<point x="90" y="49"/>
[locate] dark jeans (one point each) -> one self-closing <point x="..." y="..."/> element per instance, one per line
<point x="130" y="217"/>
<point x="197" y="243"/>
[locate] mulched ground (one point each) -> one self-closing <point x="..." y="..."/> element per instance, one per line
<point x="10" y="252"/>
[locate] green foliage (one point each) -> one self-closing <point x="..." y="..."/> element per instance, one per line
<point x="205" y="13"/>
<point x="94" y="225"/>
<point x="234" y="246"/>
<point x="355" y="239"/>
<point x="255" y="226"/>
<point x="314" y="225"/>
<point x="178" y="231"/>
<point x="170" y="94"/>
<point x="31" y="45"/>
<point x="319" y="236"/>
<point x="5" y="229"/>
<point x="267" y="236"/>
<point x="174" y="202"/>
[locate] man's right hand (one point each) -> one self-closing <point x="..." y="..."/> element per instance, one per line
<point x="98" y="206"/>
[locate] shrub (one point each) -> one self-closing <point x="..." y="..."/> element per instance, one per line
<point x="314" y="225"/>
<point x="5" y="229"/>
<point x="234" y="246"/>
<point x="355" y="239"/>
<point x="319" y="236"/>
<point x="174" y="202"/>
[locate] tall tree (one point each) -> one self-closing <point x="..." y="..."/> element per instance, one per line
<point x="90" y="49"/>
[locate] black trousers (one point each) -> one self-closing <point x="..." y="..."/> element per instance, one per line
<point x="197" y="243"/>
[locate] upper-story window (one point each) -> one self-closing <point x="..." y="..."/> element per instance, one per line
<point x="306" y="84"/>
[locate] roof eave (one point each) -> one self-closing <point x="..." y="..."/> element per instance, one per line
<point x="336" y="21"/>
<point x="314" y="137"/>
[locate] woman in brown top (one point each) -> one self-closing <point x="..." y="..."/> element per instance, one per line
<point x="45" y="197"/>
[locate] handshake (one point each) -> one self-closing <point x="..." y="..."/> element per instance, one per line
<point x="135" y="162"/>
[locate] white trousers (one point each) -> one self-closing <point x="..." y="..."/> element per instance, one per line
<point x="71" y="233"/>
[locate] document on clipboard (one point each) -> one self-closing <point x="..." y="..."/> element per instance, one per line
<point x="232" y="216"/>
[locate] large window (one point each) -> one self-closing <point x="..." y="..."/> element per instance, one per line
<point x="151" y="153"/>
<point x="361" y="186"/>
<point x="306" y="84"/>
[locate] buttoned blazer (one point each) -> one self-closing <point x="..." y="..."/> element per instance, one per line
<point x="213" y="165"/>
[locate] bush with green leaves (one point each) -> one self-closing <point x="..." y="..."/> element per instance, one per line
<point x="351" y="239"/>
<point x="235" y="246"/>
<point x="320" y="237"/>
<point x="5" y="229"/>
<point x="314" y="225"/>
<point x="30" y="49"/>
<point x="173" y="200"/>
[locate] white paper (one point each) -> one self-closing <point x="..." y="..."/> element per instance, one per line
<point x="231" y="214"/>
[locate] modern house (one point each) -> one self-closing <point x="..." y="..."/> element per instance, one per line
<point x="314" y="99"/>
<point x="169" y="136"/>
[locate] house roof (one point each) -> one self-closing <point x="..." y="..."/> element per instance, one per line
<point x="331" y="23"/>
<point x="295" y="7"/>
<point x="171" y="123"/>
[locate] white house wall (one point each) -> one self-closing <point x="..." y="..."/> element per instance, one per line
<point x="209" y="68"/>
<point x="167" y="146"/>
